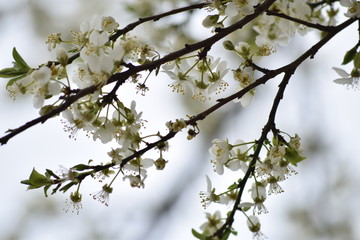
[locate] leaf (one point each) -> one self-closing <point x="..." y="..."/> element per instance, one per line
<point x="198" y="235"/>
<point x="357" y="60"/>
<point x="45" y="190"/>
<point x="19" y="60"/>
<point x="226" y="234"/>
<point x="11" y="72"/>
<point x="38" y="180"/>
<point x="51" y="173"/>
<point x="349" y="55"/>
<point x="30" y="186"/>
<point x="67" y="187"/>
<point x="80" y="167"/>
<point x="12" y="81"/>
<point x="56" y="188"/>
<point x="293" y="156"/>
<point x="233" y="186"/>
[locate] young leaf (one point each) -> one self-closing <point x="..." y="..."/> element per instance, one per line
<point x="198" y="235"/>
<point x="19" y="60"/>
<point x="11" y="72"/>
<point x="45" y="190"/>
<point x="67" y="186"/>
<point x="37" y="179"/>
<point x="349" y="55"/>
<point x="293" y="156"/>
<point x="12" y="81"/>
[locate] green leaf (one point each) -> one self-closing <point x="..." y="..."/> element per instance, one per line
<point x="56" y="188"/>
<point x="19" y="60"/>
<point x="12" y="81"/>
<point x="11" y="72"/>
<point x="357" y="60"/>
<point x="38" y="180"/>
<point x="51" y="173"/>
<point x="226" y="234"/>
<point x="67" y="187"/>
<point x="293" y="156"/>
<point x="30" y="186"/>
<point x="80" y="167"/>
<point x="233" y="186"/>
<point x="45" y="190"/>
<point x="198" y="235"/>
<point x="349" y="55"/>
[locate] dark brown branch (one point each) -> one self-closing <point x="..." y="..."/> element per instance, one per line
<point x="287" y="69"/>
<point x="121" y="77"/>
<point x="259" y="143"/>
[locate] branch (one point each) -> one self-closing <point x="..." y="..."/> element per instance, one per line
<point x="259" y="143"/>
<point x="121" y="77"/>
<point x="287" y="69"/>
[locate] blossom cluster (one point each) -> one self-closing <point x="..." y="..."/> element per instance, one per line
<point x="267" y="173"/>
<point x="88" y="58"/>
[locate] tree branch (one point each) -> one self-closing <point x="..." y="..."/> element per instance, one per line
<point x="287" y="69"/>
<point x="121" y="77"/>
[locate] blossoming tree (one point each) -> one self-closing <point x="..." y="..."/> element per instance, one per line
<point x="81" y="87"/>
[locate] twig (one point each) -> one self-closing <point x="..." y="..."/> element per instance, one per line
<point x="305" y="23"/>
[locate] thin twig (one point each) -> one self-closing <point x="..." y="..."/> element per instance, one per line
<point x="303" y="22"/>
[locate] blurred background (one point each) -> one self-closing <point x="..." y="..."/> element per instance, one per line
<point x="321" y="202"/>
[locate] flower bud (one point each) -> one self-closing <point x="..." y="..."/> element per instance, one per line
<point x="210" y="21"/>
<point x="61" y="56"/>
<point x="228" y="45"/>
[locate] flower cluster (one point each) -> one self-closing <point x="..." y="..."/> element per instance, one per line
<point x="200" y="77"/>
<point x="267" y="173"/>
<point x="94" y="56"/>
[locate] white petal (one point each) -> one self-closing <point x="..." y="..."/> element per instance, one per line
<point x="344" y="81"/>
<point x="246" y="99"/>
<point x="209" y="185"/>
<point x="38" y="101"/>
<point x="341" y="72"/>
<point x="219" y="169"/>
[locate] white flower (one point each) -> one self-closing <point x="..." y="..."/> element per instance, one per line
<point x="93" y="24"/>
<point x="105" y="132"/>
<point x="67" y="174"/>
<point x="53" y="40"/>
<point x="119" y="154"/>
<point x="94" y="55"/>
<point x="61" y="55"/>
<point x="353" y="8"/>
<point x="182" y="81"/>
<point x="258" y="194"/>
<point x="245" y="7"/>
<point x="220" y="150"/>
<point x="103" y="195"/>
<point x="350" y="80"/>
<point x="276" y="153"/>
<point x="74" y="202"/>
<point x="209" y="196"/>
<point x="213" y="223"/>
<point x="245" y="77"/>
<point x="254" y="226"/>
<point x="109" y="24"/>
<point x="216" y="77"/>
<point x="274" y="186"/>
<point x="136" y="181"/>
